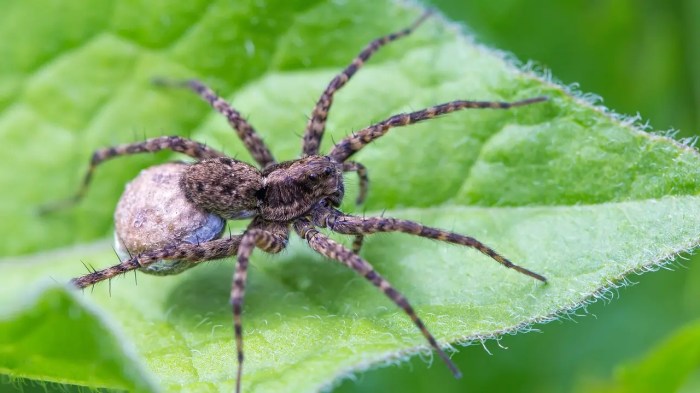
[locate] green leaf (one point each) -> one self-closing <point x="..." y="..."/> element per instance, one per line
<point x="56" y="337"/>
<point x="562" y="188"/>
<point x="671" y="366"/>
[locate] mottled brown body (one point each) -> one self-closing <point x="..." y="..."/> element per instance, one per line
<point x="301" y="193"/>
<point x="223" y="186"/>
<point x="292" y="188"/>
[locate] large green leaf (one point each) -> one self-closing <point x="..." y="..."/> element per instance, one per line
<point x="561" y="187"/>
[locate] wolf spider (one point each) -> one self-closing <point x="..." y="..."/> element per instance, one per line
<point x="302" y="194"/>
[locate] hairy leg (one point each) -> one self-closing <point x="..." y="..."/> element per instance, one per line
<point x="317" y="122"/>
<point x="251" y="139"/>
<point x="215" y="249"/>
<point x="333" y="250"/>
<point x="352" y="166"/>
<point x="352" y="225"/>
<point x="352" y="144"/>
<point x="270" y="237"/>
<point x="175" y="143"/>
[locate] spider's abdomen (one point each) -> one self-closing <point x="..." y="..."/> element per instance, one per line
<point x="223" y="186"/>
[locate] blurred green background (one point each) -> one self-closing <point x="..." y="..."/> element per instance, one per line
<point x="641" y="56"/>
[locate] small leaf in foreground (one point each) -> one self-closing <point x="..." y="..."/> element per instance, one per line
<point x="670" y="367"/>
<point x="54" y="337"/>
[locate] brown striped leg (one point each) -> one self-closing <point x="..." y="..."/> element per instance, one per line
<point x="215" y="249"/>
<point x="317" y="122"/>
<point x="352" y="166"/>
<point x="251" y="139"/>
<point x="352" y="144"/>
<point x="339" y="222"/>
<point x="258" y="236"/>
<point x="175" y="143"/>
<point x="357" y="243"/>
<point x="333" y="250"/>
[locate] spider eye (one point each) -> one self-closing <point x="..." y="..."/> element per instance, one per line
<point x="312" y="176"/>
<point x="327" y="171"/>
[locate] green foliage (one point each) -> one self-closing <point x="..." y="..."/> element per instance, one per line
<point x="57" y="338"/>
<point x="640" y="55"/>
<point x="670" y="367"/>
<point x="559" y="187"/>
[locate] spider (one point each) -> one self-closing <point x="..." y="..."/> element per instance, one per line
<point x="303" y="194"/>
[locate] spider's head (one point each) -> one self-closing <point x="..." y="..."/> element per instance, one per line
<point x="291" y="188"/>
<point x="223" y="186"/>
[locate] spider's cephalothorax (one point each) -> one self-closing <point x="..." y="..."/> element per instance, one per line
<point x="302" y="194"/>
<point x="281" y="192"/>
<point x="292" y="188"/>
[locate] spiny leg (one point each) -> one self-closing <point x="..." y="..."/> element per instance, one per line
<point x="272" y="242"/>
<point x="352" y="225"/>
<point x="317" y="122"/>
<point x="352" y="166"/>
<point x="215" y="249"/>
<point x="175" y="143"/>
<point x="333" y="250"/>
<point x="352" y="144"/>
<point x="251" y="139"/>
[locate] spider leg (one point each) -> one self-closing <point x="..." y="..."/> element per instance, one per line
<point x="333" y="250"/>
<point x="353" y="166"/>
<point x="251" y="139"/>
<point x="354" y="143"/>
<point x="357" y="243"/>
<point x="272" y="241"/>
<point x="339" y="222"/>
<point x="175" y="143"/>
<point x="215" y="249"/>
<point x="317" y="122"/>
